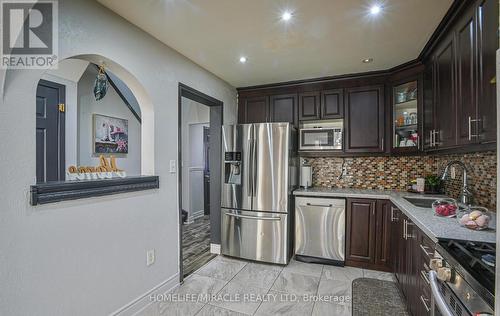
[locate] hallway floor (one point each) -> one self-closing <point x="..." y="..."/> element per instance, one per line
<point x="196" y="244"/>
<point x="227" y="286"/>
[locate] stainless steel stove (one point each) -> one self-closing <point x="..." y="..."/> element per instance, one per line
<point x="462" y="280"/>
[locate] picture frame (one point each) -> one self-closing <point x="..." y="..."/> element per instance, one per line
<point x="109" y="134"/>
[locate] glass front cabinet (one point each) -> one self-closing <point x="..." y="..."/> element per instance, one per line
<point x="406" y="117"/>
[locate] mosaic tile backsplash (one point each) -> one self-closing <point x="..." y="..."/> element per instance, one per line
<point x="395" y="173"/>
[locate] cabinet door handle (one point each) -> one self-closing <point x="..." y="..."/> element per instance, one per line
<point x="418" y="142"/>
<point x="424" y="249"/>
<point x="393" y="218"/>
<point x="470" y="128"/>
<point x="427" y="308"/>
<point x="404" y="229"/>
<point x="430" y="138"/>
<point x="423" y="274"/>
<point x="408" y="235"/>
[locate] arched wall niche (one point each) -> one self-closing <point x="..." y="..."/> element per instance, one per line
<point x="10" y="77"/>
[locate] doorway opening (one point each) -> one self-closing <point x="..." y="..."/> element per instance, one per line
<point x="200" y="122"/>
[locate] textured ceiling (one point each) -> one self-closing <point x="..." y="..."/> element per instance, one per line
<point x="323" y="38"/>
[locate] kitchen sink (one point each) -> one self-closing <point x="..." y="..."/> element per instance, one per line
<point x="421" y="202"/>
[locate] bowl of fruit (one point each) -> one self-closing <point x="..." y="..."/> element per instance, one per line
<point x="445" y="207"/>
<point x="475" y="217"/>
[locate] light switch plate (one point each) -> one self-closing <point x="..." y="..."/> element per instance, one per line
<point x="173" y="167"/>
<point x="150" y="257"/>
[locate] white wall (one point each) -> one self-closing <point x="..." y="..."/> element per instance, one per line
<point x="88" y="257"/>
<point x="192" y="113"/>
<point x="111" y="105"/>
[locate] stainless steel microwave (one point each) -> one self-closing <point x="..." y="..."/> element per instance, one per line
<point x="321" y="138"/>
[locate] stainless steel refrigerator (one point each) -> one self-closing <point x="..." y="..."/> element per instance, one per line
<point x="259" y="173"/>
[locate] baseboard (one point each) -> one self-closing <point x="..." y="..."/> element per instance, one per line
<point x="215" y="249"/>
<point x="144" y="301"/>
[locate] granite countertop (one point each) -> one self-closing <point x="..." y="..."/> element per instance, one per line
<point x="433" y="226"/>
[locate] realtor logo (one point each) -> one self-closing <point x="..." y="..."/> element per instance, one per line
<point x="29" y="37"/>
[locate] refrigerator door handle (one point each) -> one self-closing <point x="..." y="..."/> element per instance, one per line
<point x="250" y="168"/>
<point x="264" y="218"/>
<point x="254" y="166"/>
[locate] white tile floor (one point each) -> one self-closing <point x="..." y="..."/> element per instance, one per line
<point x="239" y="288"/>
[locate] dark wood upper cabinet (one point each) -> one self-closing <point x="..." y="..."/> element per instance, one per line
<point x="464" y="89"/>
<point x="360" y="230"/>
<point x="444" y="91"/>
<point x="487" y="38"/>
<point x="309" y="106"/>
<point x="465" y="95"/>
<point x="283" y="108"/>
<point x="364" y="119"/>
<point x="332" y="104"/>
<point x="456" y="106"/>
<point x="324" y="105"/>
<point x="253" y="110"/>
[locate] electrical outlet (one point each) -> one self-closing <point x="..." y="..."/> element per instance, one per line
<point x="453" y="172"/>
<point x="150" y="257"/>
<point x="173" y="168"/>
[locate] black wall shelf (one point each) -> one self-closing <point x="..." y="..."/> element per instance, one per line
<point x="52" y="192"/>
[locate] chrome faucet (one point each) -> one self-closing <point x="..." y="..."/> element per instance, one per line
<point x="466" y="195"/>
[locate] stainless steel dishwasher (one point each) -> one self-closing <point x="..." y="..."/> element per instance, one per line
<point x="320" y="230"/>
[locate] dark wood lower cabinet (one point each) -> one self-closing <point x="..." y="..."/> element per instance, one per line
<point x="383" y="234"/>
<point x="368" y="234"/>
<point x="380" y="237"/>
<point x="360" y="230"/>
<point x="411" y="253"/>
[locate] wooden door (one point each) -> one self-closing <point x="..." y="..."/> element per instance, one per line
<point x="253" y="110"/>
<point x="466" y="80"/>
<point x="283" y="108"/>
<point x="364" y="119"/>
<point x="444" y="89"/>
<point x="487" y="30"/>
<point x="309" y="106"/>
<point x="360" y="230"/>
<point x="50" y="125"/>
<point x="332" y="104"/>
<point x="383" y="235"/>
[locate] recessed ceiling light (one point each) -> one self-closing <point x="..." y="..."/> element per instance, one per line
<point x="286" y="16"/>
<point x="375" y="9"/>
<point x="367" y="60"/>
<point x="243" y="59"/>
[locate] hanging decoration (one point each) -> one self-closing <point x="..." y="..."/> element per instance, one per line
<point x="101" y="84"/>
